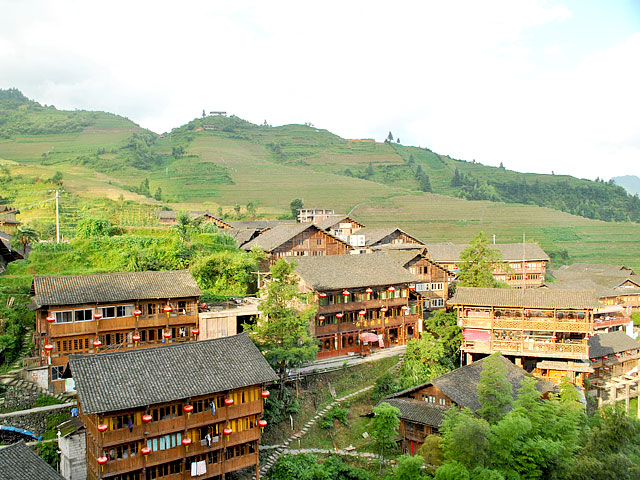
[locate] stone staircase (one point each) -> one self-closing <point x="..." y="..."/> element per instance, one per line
<point x="279" y="450"/>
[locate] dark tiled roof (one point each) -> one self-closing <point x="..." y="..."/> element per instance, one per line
<point x="109" y="382"/>
<point x="461" y="384"/>
<point x="610" y="343"/>
<point x="19" y="462"/>
<point x="331" y="221"/>
<point x="261" y="224"/>
<point x="374" y="235"/>
<point x="166" y="214"/>
<point x="534" y="298"/>
<point x="334" y="272"/>
<point x="606" y="280"/>
<point x="418" y="412"/>
<point x="113" y="287"/>
<point x="590" y="268"/>
<point x="272" y="239"/>
<point x="242" y="235"/>
<point x="511" y="252"/>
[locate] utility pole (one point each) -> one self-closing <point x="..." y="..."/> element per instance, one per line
<point x="57" y="217"/>
<point x="524" y="282"/>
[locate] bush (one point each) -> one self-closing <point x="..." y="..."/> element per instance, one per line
<point x="385" y="385"/>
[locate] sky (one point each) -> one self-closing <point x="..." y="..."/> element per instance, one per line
<point x="539" y="86"/>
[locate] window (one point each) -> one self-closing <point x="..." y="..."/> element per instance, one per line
<point x="182" y="308"/>
<point x="124" y="310"/>
<point x="437" y="302"/>
<point x="437" y="286"/>
<point x="56" y="372"/>
<point x="83" y="315"/>
<point x="108" y="312"/>
<point x="442" y="401"/>
<point x="63" y="317"/>
<point x="151" y="309"/>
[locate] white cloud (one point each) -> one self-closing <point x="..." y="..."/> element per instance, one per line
<point x="463" y="78"/>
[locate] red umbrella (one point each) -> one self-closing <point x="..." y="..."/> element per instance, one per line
<point x="368" y="337"/>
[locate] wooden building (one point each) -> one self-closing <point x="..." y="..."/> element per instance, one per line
<point x="8" y="222"/>
<point x="615" y="285"/>
<point x="359" y="298"/>
<point x="422" y="407"/>
<point x="521" y="265"/>
<point x="299" y="240"/>
<point x="365" y="240"/>
<point x="541" y="330"/>
<point x="174" y="412"/>
<point x="169" y="218"/>
<point x="228" y="319"/>
<point x="432" y="279"/>
<point x="19" y="462"/>
<point x="7" y="254"/>
<point x="110" y="312"/>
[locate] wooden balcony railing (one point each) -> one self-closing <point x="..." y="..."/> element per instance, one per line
<point x="365" y="324"/>
<point x="119" y="324"/>
<point x="533" y="324"/>
<point x="364" y="305"/>
<point x="175" y="424"/>
<point x="529" y="348"/>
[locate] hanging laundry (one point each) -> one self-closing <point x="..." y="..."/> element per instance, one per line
<point x="130" y="423"/>
<point x="208" y="439"/>
<point x="194" y="469"/>
<point x="213" y="407"/>
<point x="202" y="467"/>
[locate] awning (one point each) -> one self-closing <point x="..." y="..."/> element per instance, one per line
<point x="609" y="309"/>
<point x="476" y="335"/>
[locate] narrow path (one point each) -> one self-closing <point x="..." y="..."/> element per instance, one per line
<point x="282" y="448"/>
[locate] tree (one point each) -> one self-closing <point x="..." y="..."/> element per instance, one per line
<point x="236" y="208"/>
<point x="431" y="450"/>
<point x="177" y="152"/>
<point x="409" y="468"/>
<point x="370" y="170"/>
<point x="390" y="137"/>
<point x="158" y="194"/>
<point x="183" y="226"/>
<point x="386" y="420"/>
<point x="203" y="114"/>
<point x="26" y="235"/>
<point x="57" y="178"/>
<point x="444" y="326"/>
<point x="296" y="205"/>
<point x="424" y="359"/>
<point x="476" y="263"/>
<point x="283" y="334"/>
<point x="251" y="210"/>
<point x="494" y="390"/>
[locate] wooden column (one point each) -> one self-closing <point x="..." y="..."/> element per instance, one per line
<point x="627" y="398"/>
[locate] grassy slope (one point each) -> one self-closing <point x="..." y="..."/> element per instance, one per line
<point x="271" y="166"/>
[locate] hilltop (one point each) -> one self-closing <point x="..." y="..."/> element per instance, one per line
<point x="224" y="163"/>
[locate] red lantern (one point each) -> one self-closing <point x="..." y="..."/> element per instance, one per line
<point x="168" y="309"/>
<point x="195" y="331"/>
<point x="97" y="343"/>
<point x="322" y="295"/>
<point x="147" y="418"/>
<point x="391" y="289"/>
<point x="606" y="368"/>
<point x="51" y="319"/>
<point x="48" y="348"/>
<point x="593" y="359"/>
<point x="188" y="409"/>
<point x="384" y="309"/>
<point x="362" y="313"/>
<point x="186" y="441"/>
<point x="264" y="393"/>
<point x="227" y="431"/>
<point x="346" y="293"/>
<point x="228" y="401"/>
<point x="412" y="287"/>
<point x="339" y="315"/>
<point x="203" y="306"/>
<point x="618" y="355"/>
<point x="135" y="338"/>
<point x="145" y="451"/>
<point x="369" y="290"/>
<point x="262" y="423"/>
<point x="101" y="460"/>
<point x="97" y="316"/>
<point x="103" y="428"/>
<point x="405" y="308"/>
<point x="606" y="357"/>
<point x="137" y="313"/>
<point x="167" y="334"/>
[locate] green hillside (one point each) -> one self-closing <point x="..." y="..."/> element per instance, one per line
<point x="112" y="167"/>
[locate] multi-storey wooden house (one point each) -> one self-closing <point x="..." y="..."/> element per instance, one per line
<point x="547" y="330"/>
<point x="422" y="407"/>
<point x="298" y="240"/>
<point x="110" y="312"/>
<point x="342" y="227"/>
<point x="311" y="215"/>
<point x="432" y="279"/>
<point x="365" y="240"/>
<point x="360" y="299"/>
<point x="522" y="266"/>
<point x="174" y="412"/>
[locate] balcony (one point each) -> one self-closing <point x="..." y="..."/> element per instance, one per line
<point x="366" y="324"/>
<point x="529" y="348"/>
<point x="364" y="305"/>
<point x="119" y="324"/>
<point x="175" y="424"/>
<point x="532" y="324"/>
